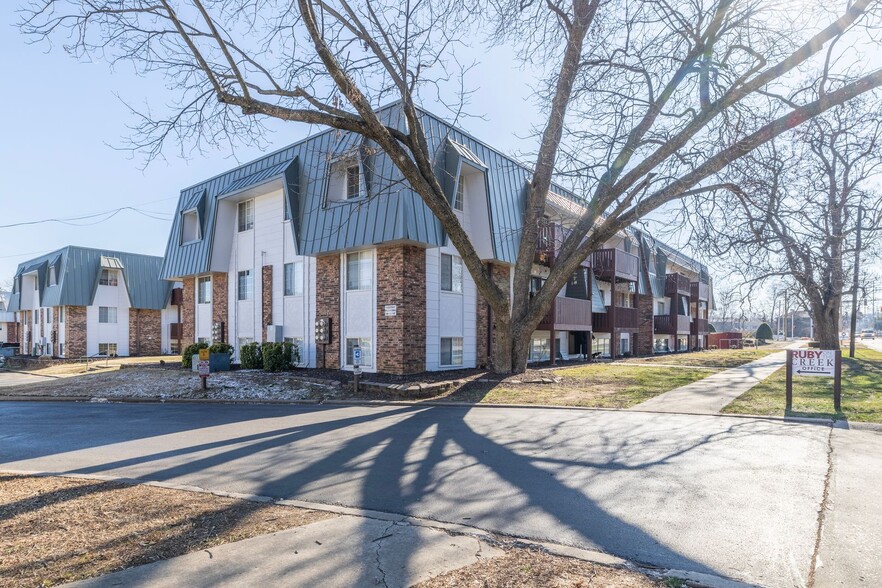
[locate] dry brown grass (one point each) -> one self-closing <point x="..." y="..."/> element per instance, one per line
<point x="525" y="568"/>
<point x="57" y="530"/>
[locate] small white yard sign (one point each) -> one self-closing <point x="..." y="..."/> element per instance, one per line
<point x="813" y="362"/>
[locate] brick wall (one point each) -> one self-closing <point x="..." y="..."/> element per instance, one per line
<point x="145" y="332"/>
<point x="219" y="301"/>
<point x="75" y="331"/>
<point x="401" y="339"/>
<point x="188" y="312"/>
<point x="42" y="323"/>
<point x="485" y="329"/>
<point x="327" y="304"/>
<point x="266" y="299"/>
<point x="12" y="335"/>
<point x="55" y="334"/>
<point x="646" y="332"/>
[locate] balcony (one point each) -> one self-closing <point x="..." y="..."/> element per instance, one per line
<point x="667" y="324"/>
<point x="568" y="314"/>
<point x="551" y="237"/>
<point x="177" y="296"/>
<point x="176" y="330"/>
<point x="699" y="291"/>
<point x="626" y="320"/>
<point x="677" y="284"/>
<point x="615" y="263"/>
<point x="699" y="327"/>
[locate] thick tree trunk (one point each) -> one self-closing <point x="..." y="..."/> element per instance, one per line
<point x="826" y="324"/>
<point x="502" y="345"/>
<point x="520" y="350"/>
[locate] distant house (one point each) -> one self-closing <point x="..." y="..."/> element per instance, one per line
<point x="79" y="301"/>
<point x="8" y="326"/>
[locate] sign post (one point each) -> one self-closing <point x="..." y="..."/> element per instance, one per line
<point x="204" y="367"/>
<point x="815" y="362"/>
<point x="356" y="361"/>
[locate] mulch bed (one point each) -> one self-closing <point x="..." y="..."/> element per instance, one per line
<point x="55" y="530"/>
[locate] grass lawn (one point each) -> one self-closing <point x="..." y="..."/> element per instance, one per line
<point x="598" y="385"/>
<point x="813" y="396"/>
<point x="718" y="358"/>
<point x="57" y="530"/>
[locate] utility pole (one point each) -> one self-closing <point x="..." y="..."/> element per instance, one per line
<point x="854" y="287"/>
<point x="786" y="308"/>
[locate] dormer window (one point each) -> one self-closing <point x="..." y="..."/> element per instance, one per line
<point x="190" y="227"/>
<point x="108" y="278"/>
<point x="52" y="276"/>
<point x="459" y="199"/>
<point x="345" y="181"/>
<point x="246" y="215"/>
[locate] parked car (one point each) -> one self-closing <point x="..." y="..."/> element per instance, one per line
<point x="868" y="334"/>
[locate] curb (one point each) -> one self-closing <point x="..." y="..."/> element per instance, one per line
<point x="494" y="538"/>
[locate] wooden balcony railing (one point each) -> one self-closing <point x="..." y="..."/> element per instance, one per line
<point x="551" y="237"/>
<point x="667" y="324"/>
<point x="177" y="296"/>
<point x="176" y="330"/>
<point x="626" y="320"/>
<point x="699" y="327"/>
<point x="568" y="314"/>
<point x="609" y="263"/>
<point x="699" y="291"/>
<point x="677" y="284"/>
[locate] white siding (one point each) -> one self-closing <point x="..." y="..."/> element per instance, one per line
<point x="114" y="297"/>
<point x="358" y="315"/>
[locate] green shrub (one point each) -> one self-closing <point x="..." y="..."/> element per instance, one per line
<point x="294" y="355"/>
<point x="277" y="357"/>
<point x="189" y="352"/>
<point x="251" y="357"/>
<point x="220" y="347"/>
<point x="764" y="332"/>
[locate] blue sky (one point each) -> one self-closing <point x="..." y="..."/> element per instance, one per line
<point x="62" y="118"/>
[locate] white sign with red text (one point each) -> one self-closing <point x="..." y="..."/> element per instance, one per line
<point x="814" y="362"/>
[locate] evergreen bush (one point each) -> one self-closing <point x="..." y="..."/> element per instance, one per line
<point x="251" y="356"/>
<point x="189" y="352"/>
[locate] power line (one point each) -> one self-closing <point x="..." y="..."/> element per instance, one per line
<point x="107" y="214"/>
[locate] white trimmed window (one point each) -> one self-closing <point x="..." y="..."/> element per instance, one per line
<point x="108" y="349"/>
<point x="359" y="270"/>
<point x="294" y="279"/>
<point x="451" y="273"/>
<point x="246" y="215"/>
<point x="109" y="278"/>
<point x="459" y="199"/>
<point x="107" y="314"/>
<point x="345" y="180"/>
<point x="52" y="281"/>
<point x="353" y="182"/>
<point x="245" y="285"/>
<point x="365" y="344"/>
<point x="190" y="227"/>
<point x="451" y="351"/>
<point x="203" y="289"/>
<point x="60" y="314"/>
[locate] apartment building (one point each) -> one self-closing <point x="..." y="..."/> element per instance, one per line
<point x="325" y="245"/>
<point x="8" y="326"/>
<point x="78" y="302"/>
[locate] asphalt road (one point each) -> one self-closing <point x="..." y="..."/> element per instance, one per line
<point x="728" y="496"/>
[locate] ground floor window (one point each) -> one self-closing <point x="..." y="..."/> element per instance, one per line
<point x="108" y="349"/>
<point x="682" y="343"/>
<point x="206" y="340"/>
<point x="539" y="349"/>
<point x="661" y="345"/>
<point x="174" y="347"/>
<point x="61" y="349"/>
<point x="601" y="346"/>
<point x="451" y="351"/>
<point x="365" y="344"/>
<point x="625" y="345"/>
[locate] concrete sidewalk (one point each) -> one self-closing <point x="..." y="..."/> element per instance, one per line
<point x="343" y="551"/>
<point x="710" y="395"/>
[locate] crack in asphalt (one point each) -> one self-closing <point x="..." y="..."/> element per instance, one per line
<point x="379" y="541"/>
<point x="822" y="511"/>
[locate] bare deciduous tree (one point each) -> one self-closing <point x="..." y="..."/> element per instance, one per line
<point x="793" y="207"/>
<point x="643" y="101"/>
